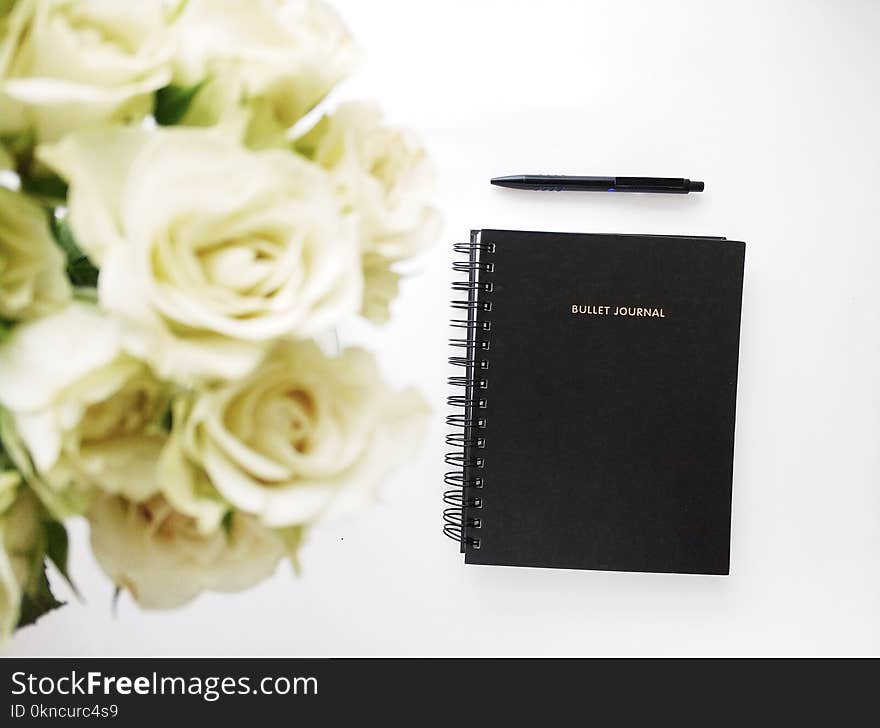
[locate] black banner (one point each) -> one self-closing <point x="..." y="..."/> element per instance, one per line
<point x="137" y="690"/>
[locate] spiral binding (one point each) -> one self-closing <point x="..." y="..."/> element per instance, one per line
<point x="462" y="521"/>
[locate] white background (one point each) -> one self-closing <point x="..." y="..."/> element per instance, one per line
<point x="775" y="106"/>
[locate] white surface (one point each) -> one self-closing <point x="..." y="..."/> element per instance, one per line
<point x="775" y="106"/>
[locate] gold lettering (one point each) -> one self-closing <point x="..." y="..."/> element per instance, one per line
<point x="595" y="310"/>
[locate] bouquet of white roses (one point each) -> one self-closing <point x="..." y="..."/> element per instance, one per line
<point x="174" y="249"/>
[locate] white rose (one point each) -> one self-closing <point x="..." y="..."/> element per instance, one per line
<point x="381" y="285"/>
<point x="164" y="561"/>
<point x="275" y="58"/>
<point x="87" y="414"/>
<point x="21" y="547"/>
<point x="71" y="64"/>
<point x="304" y="437"/>
<point x="208" y="252"/>
<point x="384" y="177"/>
<point x="382" y="174"/>
<point x="32" y="277"/>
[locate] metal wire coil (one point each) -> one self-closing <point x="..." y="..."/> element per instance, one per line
<point x="462" y="520"/>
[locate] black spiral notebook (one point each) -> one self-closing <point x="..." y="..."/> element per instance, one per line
<point x="594" y="410"/>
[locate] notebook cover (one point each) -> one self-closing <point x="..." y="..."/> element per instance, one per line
<point x="608" y="438"/>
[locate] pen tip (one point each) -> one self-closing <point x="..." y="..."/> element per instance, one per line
<point x="506" y="179"/>
<point x="695" y="186"/>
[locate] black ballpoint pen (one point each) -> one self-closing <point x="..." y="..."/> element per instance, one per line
<point x="557" y="183"/>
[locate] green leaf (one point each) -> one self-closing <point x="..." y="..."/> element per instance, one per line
<point x="172" y="102"/>
<point x="51" y="187"/>
<point x="37" y="600"/>
<point x="57" y="549"/>
<point x="5" y="329"/>
<point x="64" y="237"/>
<point x="5" y="461"/>
<point x="20" y="144"/>
<point x="226" y="523"/>
<point x="80" y="269"/>
<point x="82" y="273"/>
